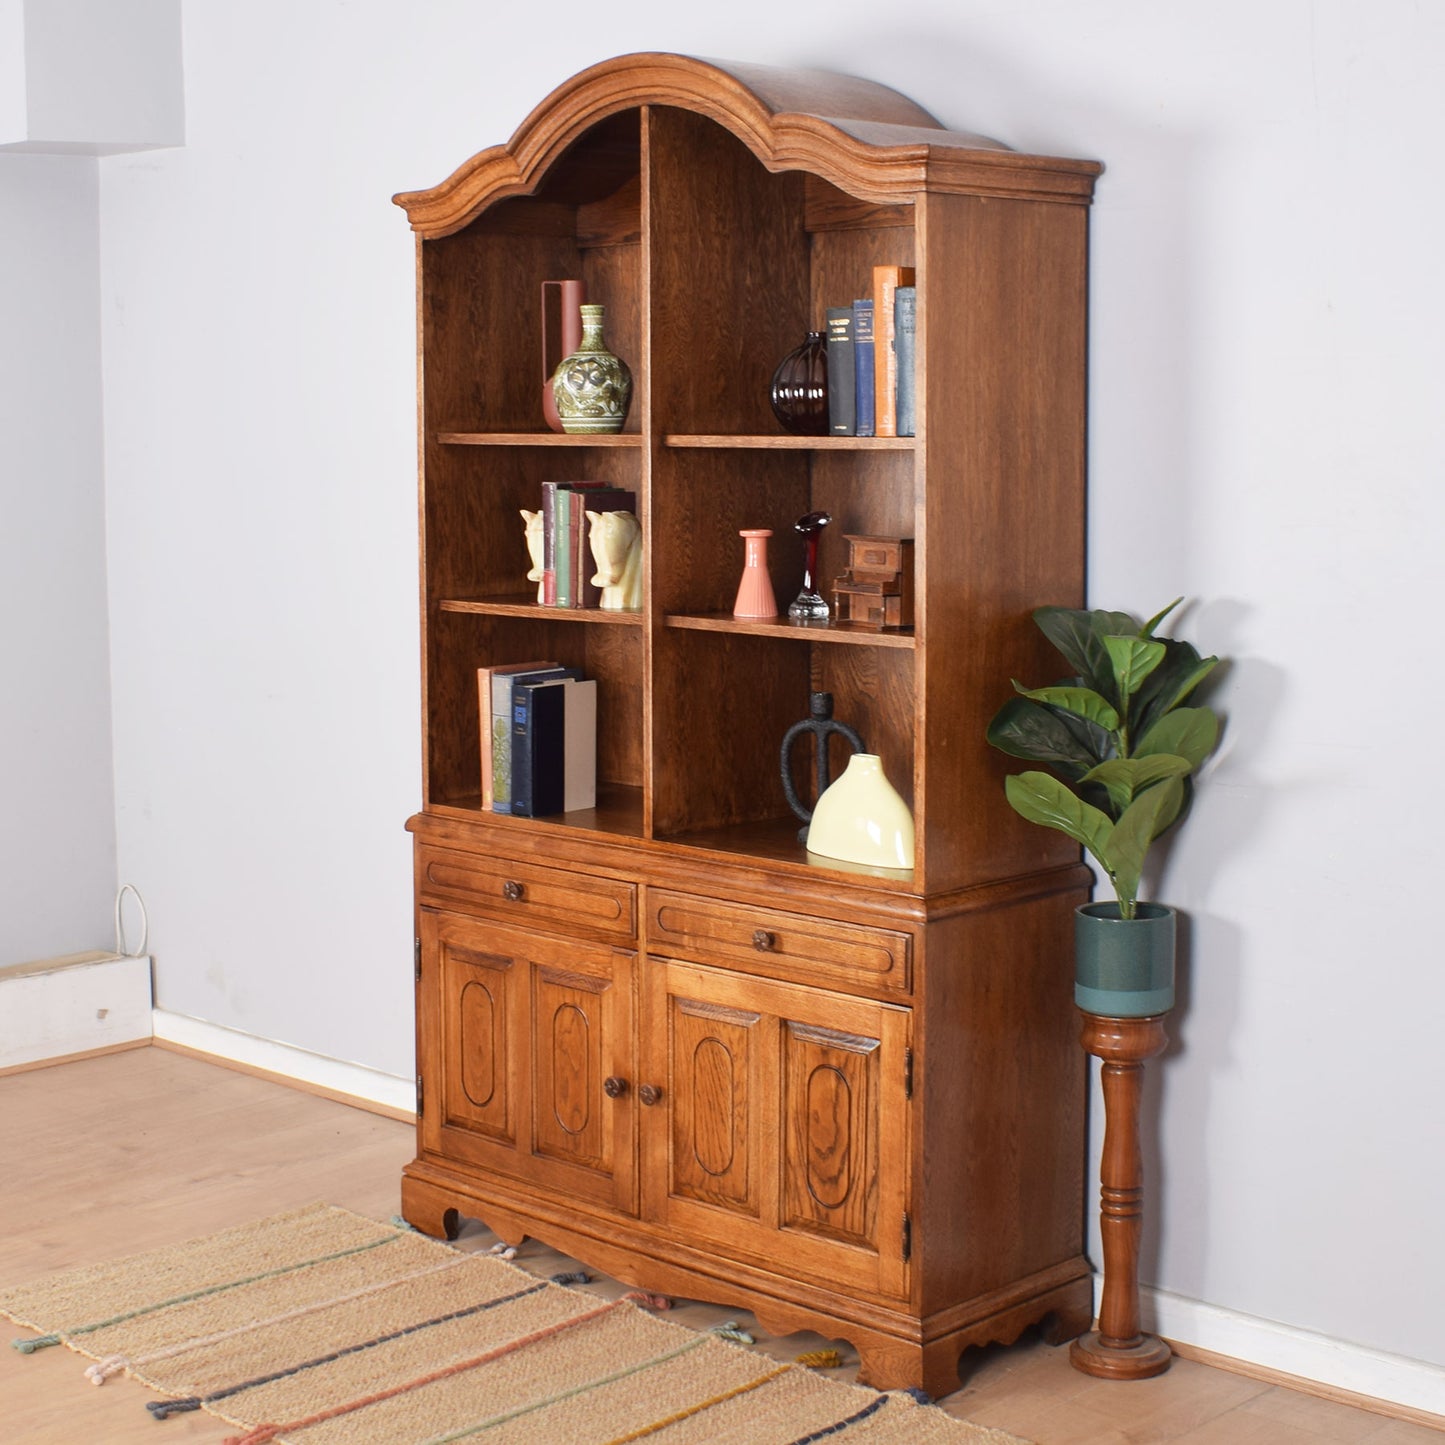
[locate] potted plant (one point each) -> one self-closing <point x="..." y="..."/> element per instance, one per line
<point x="1122" y="740"/>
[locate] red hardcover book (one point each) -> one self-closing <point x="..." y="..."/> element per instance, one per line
<point x="886" y="280"/>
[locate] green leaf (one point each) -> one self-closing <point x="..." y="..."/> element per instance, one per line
<point x="1133" y="659"/>
<point x="1126" y="778"/>
<point x="1188" y="732"/>
<point x="1139" y="825"/>
<point x="1149" y="627"/>
<point x="1073" y="633"/>
<point x="1113" y="624"/>
<point x="1026" y="729"/>
<point x="1169" y="684"/>
<point x="1048" y="802"/>
<point x="1084" y="702"/>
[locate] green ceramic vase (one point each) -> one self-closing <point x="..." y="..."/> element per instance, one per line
<point x="592" y="387"/>
<point x="1124" y="968"/>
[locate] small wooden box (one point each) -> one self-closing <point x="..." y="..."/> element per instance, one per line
<point x="877" y="588"/>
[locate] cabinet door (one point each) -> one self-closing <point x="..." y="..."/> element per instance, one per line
<point x="520" y="1034"/>
<point x="778" y="1130"/>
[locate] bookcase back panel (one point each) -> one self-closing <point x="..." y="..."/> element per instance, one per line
<point x="868" y="494"/>
<point x="481" y="325"/>
<point x="460" y="643"/>
<point x="702" y="500"/>
<point x="718" y="733"/>
<point x="475" y="535"/>
<point x="873" y="693"/>
<point x="724" y="312"/>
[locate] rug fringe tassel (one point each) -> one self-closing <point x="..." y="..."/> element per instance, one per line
<point x="820" y="1359"/>
<point x="164" y="1409"/>
<point x="40" y="1342"/>
<point x="648" y="1301"/>
<point x="732" y="1330"/>
<point x="103" y="1370"/>
<point x="503" y="1251"/>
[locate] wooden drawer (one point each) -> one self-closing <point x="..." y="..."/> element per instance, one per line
<point x="526" y="894"/>
<point x="778" y="945"/>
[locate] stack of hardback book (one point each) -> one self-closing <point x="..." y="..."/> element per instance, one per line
<point x="871" y="389"/>
<point x="539" y="738"/>
<point x="567" y="568"/>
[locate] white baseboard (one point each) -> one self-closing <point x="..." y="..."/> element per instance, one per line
<point x="81" y="1003"/>
<point x="1287" y="1350"/>
<point x="328" y="1075"/>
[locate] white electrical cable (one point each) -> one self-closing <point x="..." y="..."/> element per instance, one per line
<point x="145" y="927"/>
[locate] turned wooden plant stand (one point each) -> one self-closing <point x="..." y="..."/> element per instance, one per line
<point x="1118" y="1350"/>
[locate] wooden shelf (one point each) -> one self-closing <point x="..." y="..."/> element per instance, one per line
<point x="535" y="439"/>
<point x="841" y="632"/>
<point x="523" y="606"/>
<point x="618" y="812"/>
<point x="782" y="443"/>
<point x="776" y="841"/>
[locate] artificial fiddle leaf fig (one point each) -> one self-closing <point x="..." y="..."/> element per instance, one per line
<point x="1116" y="733"/>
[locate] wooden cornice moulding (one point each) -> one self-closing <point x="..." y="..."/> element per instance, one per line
<point x="865" y="138"/>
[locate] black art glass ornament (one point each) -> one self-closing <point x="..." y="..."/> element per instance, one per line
<point x="821" y="724"/>
<point x="800" y="388"/>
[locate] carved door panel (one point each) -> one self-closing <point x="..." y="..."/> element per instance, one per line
<point x="779" y="1127"/>
<point x="520" y="1035"/>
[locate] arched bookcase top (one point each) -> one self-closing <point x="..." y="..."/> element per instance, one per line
<point x="864" y="138"/>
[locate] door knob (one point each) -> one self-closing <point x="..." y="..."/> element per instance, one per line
<point x="614" y="1087"/>
<point x="763" y="941"/>
<point x="513" y="891"/>
<point x="649" y="1094"/>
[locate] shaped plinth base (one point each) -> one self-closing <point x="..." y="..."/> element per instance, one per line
<point x="1147" y="1355"/>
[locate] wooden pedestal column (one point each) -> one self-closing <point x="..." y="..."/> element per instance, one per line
<point x="1117" y="1350"/>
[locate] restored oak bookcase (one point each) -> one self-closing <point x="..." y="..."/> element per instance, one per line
<point x="657" y="1034"/>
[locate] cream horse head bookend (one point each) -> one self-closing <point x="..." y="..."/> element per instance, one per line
<point x="616" y="542"/>
<point x="533" y="523"/>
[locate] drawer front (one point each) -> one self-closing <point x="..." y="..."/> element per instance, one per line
<point x="779" y="945"/>
<point x="526" y="893"/>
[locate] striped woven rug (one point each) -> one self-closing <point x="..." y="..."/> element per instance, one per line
<point x="324" y="1328"/>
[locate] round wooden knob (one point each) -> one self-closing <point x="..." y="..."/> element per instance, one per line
<point x="649" y="1094"/>
<point x="763" y="941"/>
<point x="513" y="891"/>
<point x="614" y="1087"/>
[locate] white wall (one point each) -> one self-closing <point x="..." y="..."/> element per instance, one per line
<point x="1265" y="352"/>
<point x="57" y="801"/>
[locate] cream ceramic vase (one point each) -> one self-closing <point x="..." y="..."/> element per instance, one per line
<point x="861" y="818"/>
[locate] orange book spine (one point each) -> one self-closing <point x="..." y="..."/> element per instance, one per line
<point x="886" y="281"/>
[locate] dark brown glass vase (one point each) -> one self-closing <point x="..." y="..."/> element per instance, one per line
<point x="800" y="388"/>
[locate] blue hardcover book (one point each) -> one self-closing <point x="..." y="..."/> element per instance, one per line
<point x="503" y="686"/>
<point x="537" y="744"/>
<point x="905" y="322"/>
<point x="863" y="363"/>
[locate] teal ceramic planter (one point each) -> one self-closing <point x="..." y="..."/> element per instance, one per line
<point x="1124" y="968"/>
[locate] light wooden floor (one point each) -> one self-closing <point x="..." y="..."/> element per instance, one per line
<point x="108" y="1156"/>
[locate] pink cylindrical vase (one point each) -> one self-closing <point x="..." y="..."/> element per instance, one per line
<point x="755" y="590"/>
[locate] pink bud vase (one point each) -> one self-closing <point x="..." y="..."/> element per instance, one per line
<point x="755" y="590"/>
